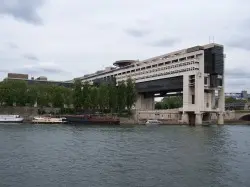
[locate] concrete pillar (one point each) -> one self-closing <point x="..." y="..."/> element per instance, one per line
<point x="143" y="103"/>
<point x="198" y="119"/>
<point x="221" y="103"/>
<point x="199" y="92"/>
<point x="213" y="99"/>
<point x="220" y="119"/>
<point x="186" y="93"/>
<point x="185" y="118"/>
<point x="209" y="101"/>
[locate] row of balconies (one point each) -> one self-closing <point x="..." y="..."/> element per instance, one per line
<point x="159" y="70"/>
<point x="156" y="66"/>
<point x="166" y="73"/>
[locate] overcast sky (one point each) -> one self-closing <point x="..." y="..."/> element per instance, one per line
<point x="63" y="39"/>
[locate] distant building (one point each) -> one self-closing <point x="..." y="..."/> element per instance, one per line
<point x="18" y="76"/>
<point x="238" y="95"/>
<point x="38" y="80"/>
<point x="42" y="78"/>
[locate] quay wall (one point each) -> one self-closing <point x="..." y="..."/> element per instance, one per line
<point x="26" y="112"/>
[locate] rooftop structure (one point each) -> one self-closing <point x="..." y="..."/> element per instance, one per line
<point x="123" y="63"/>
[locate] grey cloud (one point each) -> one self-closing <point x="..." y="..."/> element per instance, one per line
<point x="164" y="42"/>
<point x="236" y="79"/>
<point x="25" y="10"/>
<point x="52" y="70"/>
<point x="237" y="74"/>
<point x="240" y="42"/>
<point x="3" y="71"/>
<point x="12" y="45"/>
<point x="136" y="32"/>
<point x="240" y="39"/>
<point x="30" y="57"/>
<point x="36" y="70"/>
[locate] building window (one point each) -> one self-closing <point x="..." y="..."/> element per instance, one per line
<point x="205" y="80"/>
<point x="220" y="82"/>
<point x="190" y="57"/>
<point x="182" y="59"/>
<point x="193" y="99"/>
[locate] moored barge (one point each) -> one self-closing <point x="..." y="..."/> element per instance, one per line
<point x="91" y="119"/>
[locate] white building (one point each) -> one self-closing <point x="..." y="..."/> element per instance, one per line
<point x="197" y="71"/>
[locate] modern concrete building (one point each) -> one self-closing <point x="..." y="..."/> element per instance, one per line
<point x="196" y="72"/>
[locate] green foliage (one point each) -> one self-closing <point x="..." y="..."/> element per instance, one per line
<point x="112" y="94"/>
<point x="32" y="94"/>
<point x="234" y="100"/>
<point x="77" y="94"/>
<point x="130" y="94"/>
<point x="230" y="100"/>
<point x="86" y="99"/>
<point x="20" y="94"/>
<point x="56" y="94"/>
<point x="121" y="97"/>
<point x="105" y="98"/>
<point x="94" y="98"/>
<point x="169" y="103"/>
<point x="158" y="105"/>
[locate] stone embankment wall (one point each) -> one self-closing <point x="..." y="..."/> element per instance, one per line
<point x="26" y="112"/>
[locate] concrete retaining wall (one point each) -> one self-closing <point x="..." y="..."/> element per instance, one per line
<point x="25" y="112"/>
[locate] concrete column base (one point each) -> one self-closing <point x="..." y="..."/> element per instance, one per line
<point x="185" y="118"/>
<point x="198" y="119"/>
<point x="220" y="119"/>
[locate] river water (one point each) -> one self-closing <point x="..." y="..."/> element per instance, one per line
<point x="174" y="156"/>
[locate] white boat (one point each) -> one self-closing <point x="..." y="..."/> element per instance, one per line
<point x="48" y="120"/>
<point x="11" y="119"/>
<point x="153" y="122"/>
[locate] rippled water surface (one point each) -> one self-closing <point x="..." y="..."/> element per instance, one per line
<point x="52" y="155"/>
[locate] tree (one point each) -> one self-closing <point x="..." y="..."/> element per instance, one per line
<point x="94" y="98"/>
<point x="4" y="94"/>
<point x="169" y="102"/>
<point x="57" y="96"/>
<point x="112" y="97"/>
<point x="130" y="94"/>
<point x="103" y="97"/>
<point x="230" y="100"/>
<point x="32" y="94"/>
<point x="158" y="105"/>
<point x="42" y="98"/>
<point x="67" y="96"/>
<point x="13" y="92"/>
<point x="19" y="89"/>
<point x="77" y="94"/>
<point x="121" y="96"/>
<point x="86" y="96"/>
